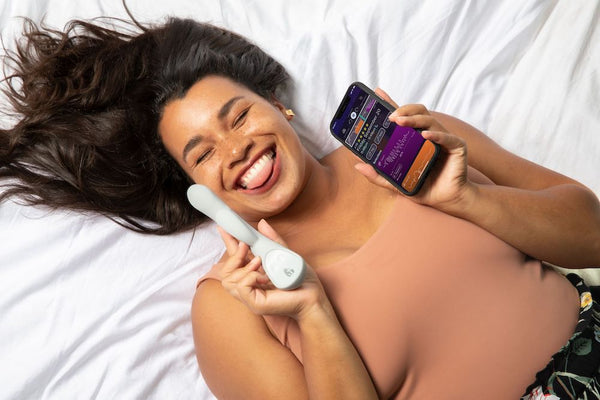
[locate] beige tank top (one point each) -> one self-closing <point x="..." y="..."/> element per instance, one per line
<point x="439" y="308"/>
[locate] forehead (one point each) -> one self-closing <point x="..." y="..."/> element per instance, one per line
<point x="202" y="98"/>
<point x="187" y="116"/>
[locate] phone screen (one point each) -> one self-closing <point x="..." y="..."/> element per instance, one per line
<point x="397" y="152"/>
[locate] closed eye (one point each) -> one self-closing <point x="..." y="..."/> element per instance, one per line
<point x="203" y="156"/>
<point x="241" y="117"/>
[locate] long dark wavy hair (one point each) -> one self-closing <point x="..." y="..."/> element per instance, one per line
<point x="88" y="100"/>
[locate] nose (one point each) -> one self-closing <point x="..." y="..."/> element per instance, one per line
<point x="239" y="150"/>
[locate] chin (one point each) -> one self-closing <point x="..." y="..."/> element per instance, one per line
<point x="274" y="204"/>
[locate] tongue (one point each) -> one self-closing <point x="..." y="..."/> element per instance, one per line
<point x="261" y="177"/>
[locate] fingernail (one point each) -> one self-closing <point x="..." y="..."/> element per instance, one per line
<point x="399" y="119"/>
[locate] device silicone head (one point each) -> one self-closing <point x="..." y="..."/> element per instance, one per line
<point x="284" y="268"/>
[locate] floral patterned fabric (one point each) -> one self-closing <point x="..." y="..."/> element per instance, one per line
<point x="574" y="372"/>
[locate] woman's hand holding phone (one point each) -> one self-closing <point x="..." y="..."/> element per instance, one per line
<point x="447" y="182"/>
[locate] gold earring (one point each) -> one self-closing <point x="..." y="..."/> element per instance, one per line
<point x="289" y="112"/>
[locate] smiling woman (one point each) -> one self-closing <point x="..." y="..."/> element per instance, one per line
<point x="240" y="146"/>
<point x="438" y="295"/>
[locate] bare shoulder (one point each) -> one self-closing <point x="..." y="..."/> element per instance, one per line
<point x="340" y="155"/>
<point x="342" y="161"/>
<point x="237" y="354"/>
<point x="499" y="164"/>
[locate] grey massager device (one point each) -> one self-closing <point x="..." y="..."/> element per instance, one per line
<point x="283" y="267"/>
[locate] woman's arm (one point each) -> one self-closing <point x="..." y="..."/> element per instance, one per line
<point x="241" y="359"/>
<point x="542" y="213"/>
<point x="332" y="366"/>
<point x="545" y="214"/>
<point x="237" y="355"/>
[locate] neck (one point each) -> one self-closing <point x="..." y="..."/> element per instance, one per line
<point x="315" y="198"/>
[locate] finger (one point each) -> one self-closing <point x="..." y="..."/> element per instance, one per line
<point x="418" y="121"/>
<point x="245" y="280"/>
<point x="253" y="292"/>
<point x="236" y="275"/>
<point x="383" y="94"/>
<point x="236" y="260"/>
<point x="448" y="141"/>
<point x="253" y="279"/>
<point x="410" y="109"/>
<point x="231" y="278"/>
<point x="369" y="172"/>
<point x="268" y="231"/>
<point x="231" y="243"/>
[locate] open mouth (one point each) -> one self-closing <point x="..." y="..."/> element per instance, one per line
<point x="259" y="172"/>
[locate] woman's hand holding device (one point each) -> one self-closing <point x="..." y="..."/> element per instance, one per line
<point x="257" y="279"/>
<point x="243" y="276"/>
<point x="284" y="267"/>
<point x="441" y="179"/>
<point x="448" y="179"/>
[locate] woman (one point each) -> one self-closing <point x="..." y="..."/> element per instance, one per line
<point x="425" y="297"/>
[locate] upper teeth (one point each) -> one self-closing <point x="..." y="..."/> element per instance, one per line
<point x="256" y="168"/>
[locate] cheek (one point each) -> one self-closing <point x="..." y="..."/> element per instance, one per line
<point x="291" y="141"/>
<point x="297" y="155"/>
<point x="207" y="175"/>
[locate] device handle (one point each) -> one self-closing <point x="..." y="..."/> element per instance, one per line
<point x="204" y="200"/>
<point x="284" y="268"/>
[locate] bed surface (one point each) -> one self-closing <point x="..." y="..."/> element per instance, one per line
<point x="92" y="310"/>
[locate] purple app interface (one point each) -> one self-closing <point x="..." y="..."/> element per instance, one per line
<point x="364" y="126"/>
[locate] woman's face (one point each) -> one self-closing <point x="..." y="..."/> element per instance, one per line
<point x="237" y="143"/>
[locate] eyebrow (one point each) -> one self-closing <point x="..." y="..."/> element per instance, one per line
<point x="193" y="142"/>
<point x="227" y="107"/>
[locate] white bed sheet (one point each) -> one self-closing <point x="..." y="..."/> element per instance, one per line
<point x="549" y="111"/>
<point x="91" y="310"/>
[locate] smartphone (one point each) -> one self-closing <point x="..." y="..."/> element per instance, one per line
<point x="398" y="153"/>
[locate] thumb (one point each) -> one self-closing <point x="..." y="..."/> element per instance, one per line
<point x="381" y="93"/>
<point x="268" y="231"/>
<point x="369" y="172"/>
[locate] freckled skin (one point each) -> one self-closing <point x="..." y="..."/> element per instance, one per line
<point x="228" y="145"/>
